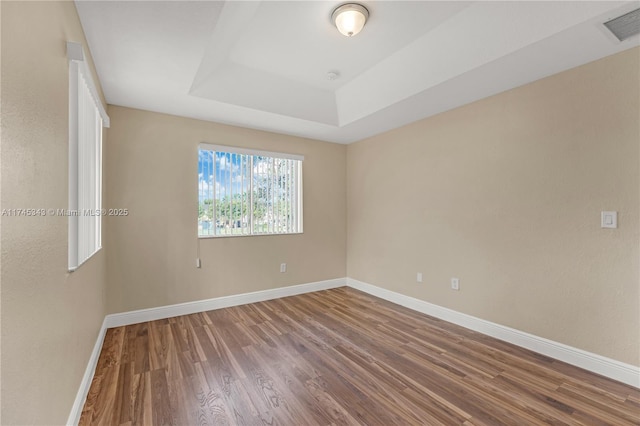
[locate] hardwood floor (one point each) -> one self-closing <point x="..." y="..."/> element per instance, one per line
<point x="337" y="357"/>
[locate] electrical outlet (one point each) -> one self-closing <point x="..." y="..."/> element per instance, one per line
<point x="455" y="284"/>
<point x="419" y="277"/>
<point x="198" y="263"/>
<point x="283" y="267"/>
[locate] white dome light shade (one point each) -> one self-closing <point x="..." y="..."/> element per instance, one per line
<point x="350" y="18"/>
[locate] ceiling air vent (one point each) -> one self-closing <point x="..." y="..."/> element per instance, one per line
<point x="625" y="26"/>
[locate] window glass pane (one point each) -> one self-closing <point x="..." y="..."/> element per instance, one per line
<point x="240" y="193"/>
<point x="205" y="193"/>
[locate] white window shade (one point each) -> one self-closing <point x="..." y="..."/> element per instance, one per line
<point x="86" y="119"/>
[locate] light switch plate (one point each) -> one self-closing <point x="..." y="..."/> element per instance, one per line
<point x="609" y="219"/>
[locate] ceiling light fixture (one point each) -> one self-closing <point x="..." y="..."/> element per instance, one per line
<point x="350" y="18"/>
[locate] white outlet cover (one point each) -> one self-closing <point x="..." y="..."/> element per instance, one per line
<point x="419" y="277"/>
<point x="455" y="284"/>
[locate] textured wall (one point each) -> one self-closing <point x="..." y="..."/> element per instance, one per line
<point x="151" y="162"/>
<point x="50" y="318"/>
<point x="506" y="194"/>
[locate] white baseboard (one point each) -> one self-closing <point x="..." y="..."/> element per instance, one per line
<point x="616" y="370"/>
<point x="85" y="384"/>
<point x="151" y="314"/>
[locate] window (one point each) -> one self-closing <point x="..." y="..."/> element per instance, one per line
<point x="86" y="119"/>
<point x="248" y="192"/>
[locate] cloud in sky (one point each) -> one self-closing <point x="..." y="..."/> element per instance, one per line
<point x="223" y="162"/>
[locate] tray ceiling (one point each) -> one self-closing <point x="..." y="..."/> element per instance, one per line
<point x="264" y="64"/>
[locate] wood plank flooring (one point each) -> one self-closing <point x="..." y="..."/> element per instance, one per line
<point x="337" y="357"/>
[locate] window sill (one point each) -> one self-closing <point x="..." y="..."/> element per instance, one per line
<point x="209" y="237"/>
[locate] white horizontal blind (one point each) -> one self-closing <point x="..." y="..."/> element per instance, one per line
<point x="245" y="192"/>
<point x="85" y="166"/>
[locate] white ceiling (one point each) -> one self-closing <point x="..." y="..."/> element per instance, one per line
<point x="264" y="64"/>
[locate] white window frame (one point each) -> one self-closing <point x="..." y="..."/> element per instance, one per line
<point x="87" y="117"/>
<point x="254" y="152"/>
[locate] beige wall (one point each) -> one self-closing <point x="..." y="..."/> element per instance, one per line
<point x="151" y="162"/>
<point x="50" y="318"/>
<point x="506" y="194"/>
